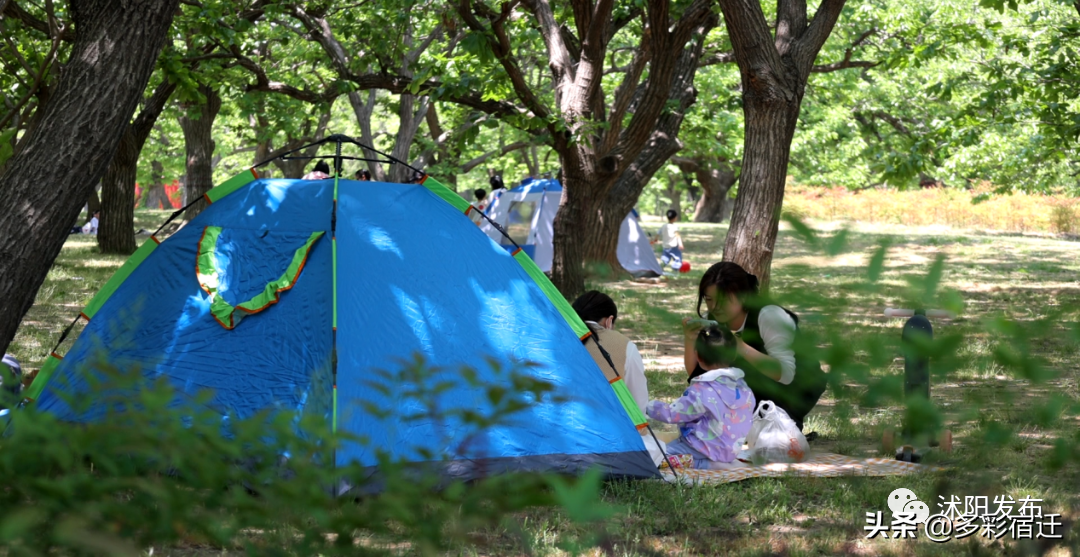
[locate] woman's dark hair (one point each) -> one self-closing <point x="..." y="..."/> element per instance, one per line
<point x="728" y="277"/>
<point x="480" y="193"/>
<point x="672" y="214"/>
<point x="496" y="182"/>
<point x="594" y="306"/>
<point x="363" y="175"/>
<point x="321" y="166"/>
<point x="715" y="347"/>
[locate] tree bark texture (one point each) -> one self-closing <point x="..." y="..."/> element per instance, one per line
<point x="116" y="231"/>
<point x="774" y="71"/>
<point x="93" y="203"/>
<point x="197" y="123"/>
<point x="155" y="192"/>
<point x="716" y="179"/>
<point x="69" y="149"/>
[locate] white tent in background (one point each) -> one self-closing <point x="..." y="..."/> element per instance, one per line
<point x="527" y="213"/>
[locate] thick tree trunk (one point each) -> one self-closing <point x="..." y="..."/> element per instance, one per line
<point x="714" y="204"/>
<point x="674" y="195"/>
<point x="577" y="222"/>
<point x="410" y="116"/>
<point x="716" y="179"/>
<point x="73" y="142"/>
<point x="93" y="203"/>
<point x="774" y="66"/>
<point x="770" y="126"/>
<point x="155" y="197"/>
<point x="116" y="231"/>
<point x="197" y="122"/>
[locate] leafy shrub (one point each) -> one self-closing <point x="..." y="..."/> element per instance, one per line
<point x="157" y="473"/>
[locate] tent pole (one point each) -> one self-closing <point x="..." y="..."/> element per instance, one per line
<point x="334" y="272"/>
<point x="607" y="358"/>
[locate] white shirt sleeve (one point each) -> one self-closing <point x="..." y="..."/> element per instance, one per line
<point x="778" y="333"/>
<point x="634" y="376"/>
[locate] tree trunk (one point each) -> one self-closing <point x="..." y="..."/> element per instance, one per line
<point x="197" y="122"/>
<point x="93" y="203"/>
<point x="575" y="224"/>
<point x="673" y="193"/>
<point x="116" y="231"/>
<point x="716" y="179"/>
<point x="774" y="71"/>
<point x="770" y="126"/>
<point x="156" y="198"/>
<point x="714" y="204"/>
<point x="73" y="142"/>
<point x="409" y="121"/>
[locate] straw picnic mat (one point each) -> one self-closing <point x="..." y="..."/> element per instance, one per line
<point x="817" y="465"/>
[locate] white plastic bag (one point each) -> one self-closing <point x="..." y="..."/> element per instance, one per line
<point x="774" y="438"/>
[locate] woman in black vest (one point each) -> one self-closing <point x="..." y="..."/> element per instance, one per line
<point x="766" y="341"/>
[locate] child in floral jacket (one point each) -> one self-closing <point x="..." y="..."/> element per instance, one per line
<point x="717" y="408"/>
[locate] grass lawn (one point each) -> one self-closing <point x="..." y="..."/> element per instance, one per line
<point x="1031" y="280"/>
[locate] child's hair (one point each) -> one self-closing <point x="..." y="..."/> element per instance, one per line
<point x="672" y="214"/>
<point x="594" y="306"/>
<point x="321" y="166"/>
<point x="480" y="194"/>
<point x="715" y="347"/>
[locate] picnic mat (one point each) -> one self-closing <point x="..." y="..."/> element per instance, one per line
<point x="818" y="465"/>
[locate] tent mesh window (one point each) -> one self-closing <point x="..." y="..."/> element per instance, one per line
<point x="520" y="220"/>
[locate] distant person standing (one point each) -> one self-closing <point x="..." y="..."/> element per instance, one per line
<point x="321" y="172"/>
<point x="671" y="242"/>
<point x="478" y="204"/>
<point x="497" y="186"/>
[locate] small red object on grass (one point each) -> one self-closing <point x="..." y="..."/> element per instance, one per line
<point x="685" y="268"/>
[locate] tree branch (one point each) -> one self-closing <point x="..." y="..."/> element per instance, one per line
<point x="144" y="122"/>
<point x="14" y="11"/>
<point x="893" y="121"/>
<point x="717" y="58"/>
<point x="263" y="83"/>
<point x="847" y="62"/>
<point x="49" y="59"/>
<point x="751" y="39"/>
<point x="669" y="47"/>
<point x="624" y="94"/>
<point x="807" y="47"/>
<point x="465" y="168"/>
<point x="501" y="47"/>
<point x="790" y="23"/>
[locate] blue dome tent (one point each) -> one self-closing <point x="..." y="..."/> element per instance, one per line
<point x="254" y="297"/>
